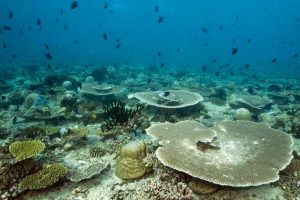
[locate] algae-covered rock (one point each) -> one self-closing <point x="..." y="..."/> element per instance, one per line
<point x="22" y="150"/>
<point x="49" y="175"/>
<point x="129" y="164"/>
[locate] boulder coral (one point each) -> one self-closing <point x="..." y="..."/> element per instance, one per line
<point x="129" y="163"/>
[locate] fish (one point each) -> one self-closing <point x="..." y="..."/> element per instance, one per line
<point x="214" y="60"/>
<point x="4" y="45"/>
<point x="74" y="5"/>
<point x="274" y="60"/>
<point x="46" y="46"/>
<point x="10" y="15"/>
<point x="61" y="11"/>
<point x="104" y="36"/>
<point x="158" y="53"/>
<point x="295" y="55"/>
<point x="249" y="40"/>
<point x="156" y="9"/>
<point x="48" y="56"/>
<point x="217" y="73"/>
<point x="57" y="21"/>
<point x="7" y="28"/>
<point x="221" y="27"/>
<point x="105" y="6"/>
<point x="204" y="68"/>
<point x="204" y="30"/>
<point x="49" y="66"/>
<point x="66" y="27"/>
<point x="38" y="22"/>
<point x="21" y="32"/>
<point x="30" y="28"/>
<point x="149" y="80"/>
<point x="14" y="55"/>
<point x="246" y="66"/>
<point x="162" y="64"/>
<point x="118" y="46"/>
<point x="234" y="50"/>
<point x="160" y="19"/>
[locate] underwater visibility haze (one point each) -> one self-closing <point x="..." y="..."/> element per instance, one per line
<point x="140" y="100"/>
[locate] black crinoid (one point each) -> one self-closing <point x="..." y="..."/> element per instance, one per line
<point x="117" y="116"/>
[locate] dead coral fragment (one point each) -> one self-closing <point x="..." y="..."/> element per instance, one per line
<point x="22" y="150"/>
<point x="47" y="176"/>
<point x="244" y="157"/>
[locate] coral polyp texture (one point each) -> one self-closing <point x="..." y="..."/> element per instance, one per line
<point x="169" y="98"/>
<point x="238" y="154"/>
<point x="45" y="177"/>
<point x="22" y="150"/>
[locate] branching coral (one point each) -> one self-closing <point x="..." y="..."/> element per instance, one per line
<point x="49" y="175"/>
<point x="22" y="150"/>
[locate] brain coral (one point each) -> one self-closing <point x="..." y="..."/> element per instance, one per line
<point x="239" y="153"/>
<point x="22" y="150"/>
<point x="49" y="175"/>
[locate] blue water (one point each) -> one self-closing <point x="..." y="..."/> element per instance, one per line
<point x="192" y="34"/>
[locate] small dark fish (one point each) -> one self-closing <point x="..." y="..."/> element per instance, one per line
<point x="38" y="22"/>
<point x="48" y="56"/>
<point x="214" y="60"/>
<point x="74" y="5"/>
<point x="221" y="27"/>
<point x="295" y="55"/>
<point x="227" y="64"/>
<point x="21" y="32"/>
<point x="162" y="65"/>
<point x="234" y="40"/>
<point x="246" y="66"/>
<point x="66" y="27"/>
<point x="249" y="40"/>
<point x="4" y="45"/>
<point x="118" y="40"/>
<point x="104" y="36"/>
<point x="10" y="15"/>
<point x="231" y="72"/>
<point x="217" y="73"/>
<point x="118" y="46"/>
<point x="51" y="91"/>
<point x="46" y="46"/>
<point x="7" y="28"/>
<point x="204" y="30"/>
<point x="61" y="11"/>
<point x="234" y="51"/>
<point x="156" y="8"/>
<point x="75" y="42"/>
<point x="13" y="55"/>
<point x="178" y="49"/>
<point x="160" y="19"/>
<point x="274" y="60"/>
<point x="49" y="66"/>
<point x="158" y="53"/>
<point x="30" y="28"/>
<point x="166" y="93"/>
<point x="105" y="6"/>
<point x="149" y="80"/>
<point x="204" y="68"/>
<point x="57" y="21"/>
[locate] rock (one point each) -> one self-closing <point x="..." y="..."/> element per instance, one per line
<point x="242" y="114"/>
